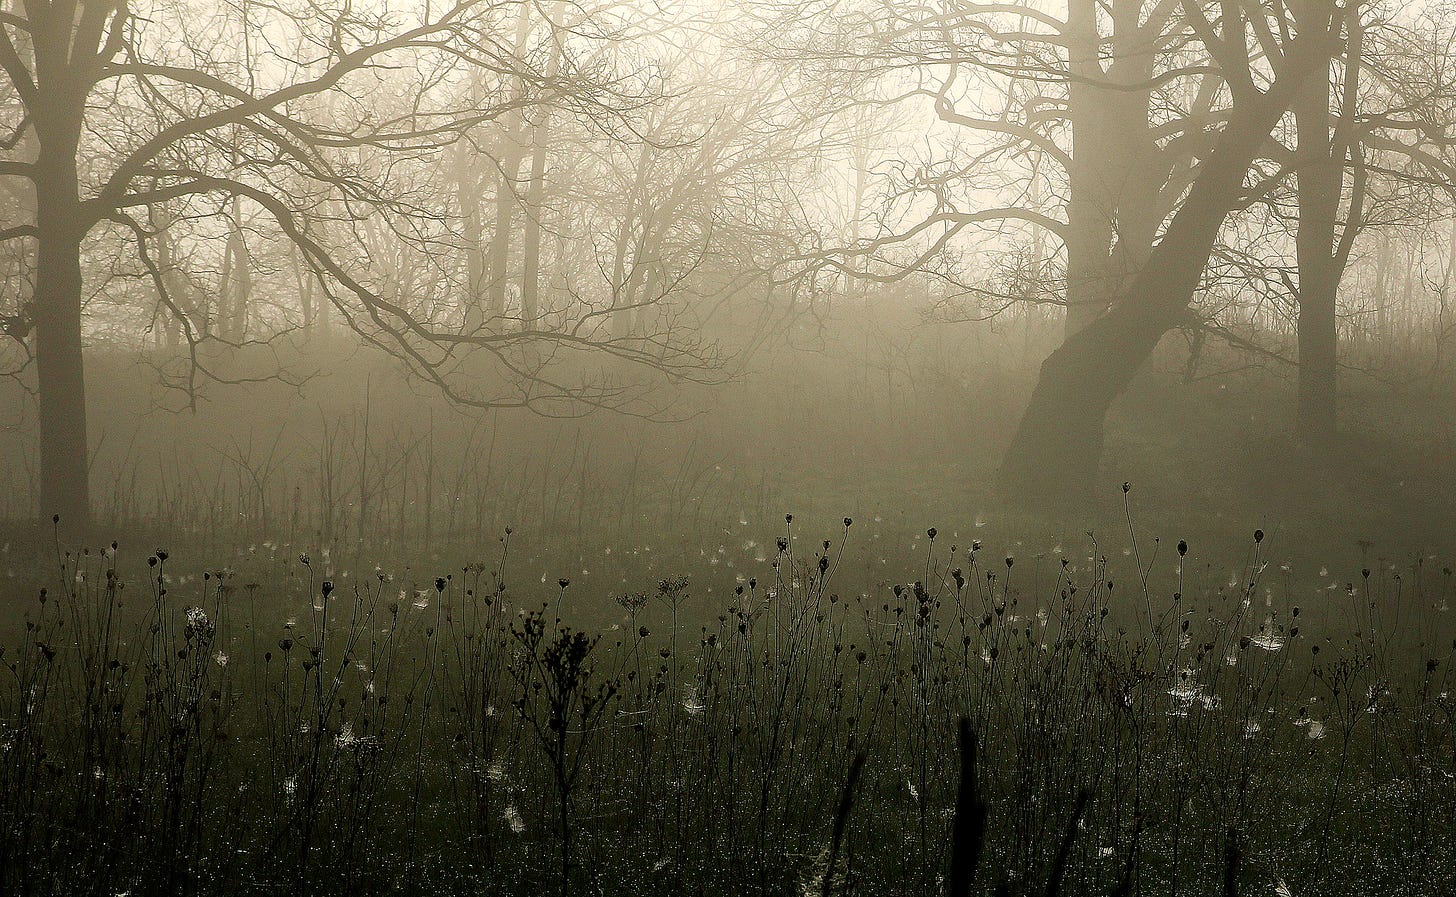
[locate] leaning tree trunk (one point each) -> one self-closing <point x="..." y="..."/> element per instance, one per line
<point x="64" y="487"/>
<point x="1058" y="445"/>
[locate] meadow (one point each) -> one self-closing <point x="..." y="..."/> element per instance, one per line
<point x="705" y="448"/>
<point x="768" y="720"/>
<point x="574" y="661"/>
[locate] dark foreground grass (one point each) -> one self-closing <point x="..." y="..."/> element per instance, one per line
<point x="959" y="733"/>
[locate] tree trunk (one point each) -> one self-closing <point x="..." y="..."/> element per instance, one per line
<point x="173" y="282"/>
<point x="235" y="290"/>
<point x="64" y="486"/>
<point x="1320" y="176"/>
<point x="531" y="235"/>
<point x="467" y="187"/>
<point x="623" y="280"/>
<point x="1058" y="445"/>
<point x="506" y="197"/>
<point x="1089" y="213"/>
<point x="1380" y="294"/>
<point x="1118" y="170"/>
<point x="474" y="235"/>
<point x="536" y="198"/>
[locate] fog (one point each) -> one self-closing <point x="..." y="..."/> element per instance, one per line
<point x="560" y="317"/>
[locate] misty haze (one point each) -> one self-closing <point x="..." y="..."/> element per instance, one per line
<point x="727" y="447"/>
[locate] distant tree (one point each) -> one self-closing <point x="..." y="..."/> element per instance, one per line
<point x="1320" y="162"/>
<point x="1366" y="148"/>
<point x="326" y="134"/>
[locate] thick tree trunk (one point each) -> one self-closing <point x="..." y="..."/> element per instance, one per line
<point x="1058" y="445"/>
<point x="1089" y="207"/>
<point x="64" y="486"/>
<point x="1118" y="170"/>
<point x="1319" y="182"/>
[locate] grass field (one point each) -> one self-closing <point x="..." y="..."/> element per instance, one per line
<point x="519" y="718"/>
<point x="317" y="662"/>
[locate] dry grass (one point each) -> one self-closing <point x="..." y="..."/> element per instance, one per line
<point x="287" y="730"/>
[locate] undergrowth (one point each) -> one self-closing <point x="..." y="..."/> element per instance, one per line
<point x="960" y="732"/>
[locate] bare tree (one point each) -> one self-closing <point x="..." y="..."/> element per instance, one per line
<point x="1119" y="130"/>
<point x="1058" y="444"/>
<point x="131" y="126"/>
